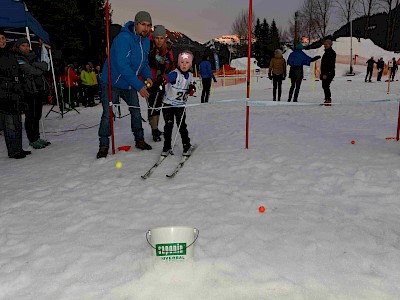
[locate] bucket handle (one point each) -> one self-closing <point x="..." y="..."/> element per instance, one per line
<point x="147" y="238"/>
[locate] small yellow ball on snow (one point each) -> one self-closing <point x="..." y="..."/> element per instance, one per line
<point x="118" y="165"/>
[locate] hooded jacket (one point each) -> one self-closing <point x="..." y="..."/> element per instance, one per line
<point x="129" y="59"/>
<point x="277" y="66"/>
<point x="31" y="72"/>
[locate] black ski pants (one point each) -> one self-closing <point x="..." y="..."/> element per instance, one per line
<point x="295" y="86"/>
<point x="369" y="73"/>
<point x="32" y="116"/>
<point x="379" y="75"/>
<point x="326" y="86"/>
<point x="205" y="94"/>
<point x="277" y="84"/>
<point x="178" y="115"/>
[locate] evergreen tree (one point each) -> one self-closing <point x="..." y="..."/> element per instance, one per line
<point x="75" y="27"/>
<point x="258" y="51"/>
<point x="275" y="40"/>
<point x="265" y="40"/>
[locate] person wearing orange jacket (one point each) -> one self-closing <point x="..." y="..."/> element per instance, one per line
<point x="71" y="83"/>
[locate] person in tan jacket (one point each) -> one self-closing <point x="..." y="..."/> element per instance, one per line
<point x="277" y="72"/>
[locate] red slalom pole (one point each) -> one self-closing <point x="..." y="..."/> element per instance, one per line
<point x="248" y="71"/>
<point x="109" y="78"/>
<point x="398" y="126"/>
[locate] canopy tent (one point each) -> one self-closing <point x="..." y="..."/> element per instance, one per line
<point x="16" y="20"/>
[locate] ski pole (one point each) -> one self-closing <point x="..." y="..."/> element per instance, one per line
<point x="180" y="123"/>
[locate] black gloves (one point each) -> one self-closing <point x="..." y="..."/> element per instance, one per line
<point x="270" y="76"/>
<point x="160" y="82"/>
<point x="315" y="58"/>
<point x="215" y="80"/>
<point x="192" y="89"/>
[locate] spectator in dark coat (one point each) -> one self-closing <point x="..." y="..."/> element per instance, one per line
<point x="370" y="67"/>
<point x="10" y="94"/>
<point x="380" y="65"/>
<point x="206" y="74"/>
<point x="328" y="64"/>
<point x="34" y="85"/>
<point x="393" y="69"/>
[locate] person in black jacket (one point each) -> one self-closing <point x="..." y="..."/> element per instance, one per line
<point x="380" y="65"/>
<point x="393" y="69"/>
<point x="370" y="67"/>
<point x="328" y="63"/>
<point x="10" y="93"/>
<point x="33" y="84"/>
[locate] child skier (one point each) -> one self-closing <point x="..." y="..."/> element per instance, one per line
<point x="179" y="84"/>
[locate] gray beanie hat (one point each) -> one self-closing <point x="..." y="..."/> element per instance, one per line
<point x="21" y="41"/>
<point x="143" y="16"/>
<point x="159" y="30"/>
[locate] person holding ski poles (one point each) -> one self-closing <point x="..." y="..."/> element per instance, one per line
<point x="160" y="62"/>
<point x="179" y="84"/>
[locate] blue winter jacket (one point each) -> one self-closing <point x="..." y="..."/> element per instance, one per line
<point x="205" y="69"/>
<point x="129" y="53"/>
<point x="299" y="58"/>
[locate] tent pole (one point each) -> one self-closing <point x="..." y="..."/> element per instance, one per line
<point x="54" y="81"/>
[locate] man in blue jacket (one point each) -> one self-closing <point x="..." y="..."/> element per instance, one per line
<point x="128" y="54"/>
<point x="296" y="60"/>
<point x="206" y="74"/>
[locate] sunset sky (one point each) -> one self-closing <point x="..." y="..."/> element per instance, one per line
<point x="202" y="20"/>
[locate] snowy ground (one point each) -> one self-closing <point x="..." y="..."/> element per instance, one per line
<point x="73" y="227"/>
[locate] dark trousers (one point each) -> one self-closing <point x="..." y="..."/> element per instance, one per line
<point x="205" y="94"/>
<point x="295" y="86"/>
<point x="87" y="95"/>
<point x="392" y="74"/>
<point x="12" y="127"/>
<point x="178" y="113"/>
<point x="32" y="116"/>
<point x="155" y="101"/>
<point x="326" y="86"/>
<point x="369" y="73"/>
<point x="379" y="75"/>
<point x="277" y="84"/>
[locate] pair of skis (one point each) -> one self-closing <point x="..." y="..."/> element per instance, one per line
<point x="178" y="167"/>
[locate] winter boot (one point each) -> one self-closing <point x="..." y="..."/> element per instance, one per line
<point x="103" y="152"/>
<point x="18" y="155"/>
<point x="156" y="135"/>
<point x="166" y="152"/>
<point x="37" y="145"/>
<point x="44" y="142"/>
<point x="187" y="150"/>
<point x="142" y="145"/>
